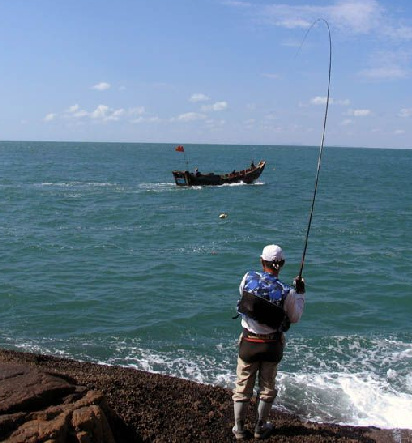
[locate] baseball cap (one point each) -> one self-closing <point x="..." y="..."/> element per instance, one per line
<point x="272" y="253"/>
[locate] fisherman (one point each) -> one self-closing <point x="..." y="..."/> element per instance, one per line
<point x="267" y="307"/>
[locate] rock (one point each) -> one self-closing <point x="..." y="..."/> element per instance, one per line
<point x="23" y="389"/>
<point x="37" y="406"/>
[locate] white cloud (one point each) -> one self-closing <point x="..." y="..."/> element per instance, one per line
<point x="237" y="3"/>
<point x="138" y="110"/>
<point x="400" y="32"/>
<point x="384" y="65"/>
<point x="218" y="106"/>
<point x="73" y="108"/>
<point x="199" y="97"/>
<point x="102" y="86"/>
<point x="405" y="112"/>
<point x="190" y="116"/>
<point x="346" y="122"/>
<point x="74" y="111"/>
<point x="81" y="113"/>
<point x="399" y="132"/>
<point x="359" y="112"/>
<point x="291" y="43"/>
<point x="288" y="16"/>
<point x="322" y="101"/>
<point x="102" y="113"/>
<point x="384" y="72"/>
<point x="140" y="119"/>
<point x="355" y="16"/>
<point x="319" y="100"/>
<point x="272" y="76"/>
<point x="348" y="16"/>
<point x="344" y="102"/>
<point x="116" y="114"/>
<point x="215" y="124"/>
<point x="49" y="117"/>
<point x="294" y="23"/>
<point x="358" y="16"/>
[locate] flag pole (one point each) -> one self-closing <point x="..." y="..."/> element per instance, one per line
<point x="181" y="148"/>
<point x="187" y="162"/>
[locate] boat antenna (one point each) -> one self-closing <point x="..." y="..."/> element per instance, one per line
<point x="321" y="143"/>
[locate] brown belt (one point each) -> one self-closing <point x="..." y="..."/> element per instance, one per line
<point x="260" y="338"/>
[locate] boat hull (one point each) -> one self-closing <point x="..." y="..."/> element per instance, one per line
<point x="186" y="178"/>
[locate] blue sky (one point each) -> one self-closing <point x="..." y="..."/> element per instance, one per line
<point x="206" y="71"/>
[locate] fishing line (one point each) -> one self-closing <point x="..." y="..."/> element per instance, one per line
<point x="321" y="144"/>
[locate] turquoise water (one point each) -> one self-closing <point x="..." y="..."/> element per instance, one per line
<point x="104" y="259"/>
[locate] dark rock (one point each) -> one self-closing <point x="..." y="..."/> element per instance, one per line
<point x="28" y="389"/>
<point x="36" y="406"/>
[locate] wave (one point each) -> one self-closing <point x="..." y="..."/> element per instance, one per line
<point x="362" y="381"/>
<point x="76" y="184"/>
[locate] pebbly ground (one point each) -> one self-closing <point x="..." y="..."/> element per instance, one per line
<point x="160" y="408"/>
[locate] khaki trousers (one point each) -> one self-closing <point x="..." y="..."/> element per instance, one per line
<point x="246" y="374"/>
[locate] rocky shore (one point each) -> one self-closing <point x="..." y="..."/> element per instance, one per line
<point x="44" y="398"/>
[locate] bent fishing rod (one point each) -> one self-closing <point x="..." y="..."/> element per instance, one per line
<point x="321" y="145"/>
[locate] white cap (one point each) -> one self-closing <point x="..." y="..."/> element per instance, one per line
<point x="272" y="253"/>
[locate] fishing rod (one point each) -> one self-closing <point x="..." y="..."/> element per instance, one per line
<point x="321" y="144"/>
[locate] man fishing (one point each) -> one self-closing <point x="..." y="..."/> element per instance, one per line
<point x="267" y="307"/>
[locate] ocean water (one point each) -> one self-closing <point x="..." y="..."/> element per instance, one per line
<point x="104" y="259"/>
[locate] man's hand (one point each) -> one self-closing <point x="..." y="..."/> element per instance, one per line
<point x="299" y="285"/>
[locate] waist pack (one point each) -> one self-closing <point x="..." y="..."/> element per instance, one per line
<point x="252" y="351"/>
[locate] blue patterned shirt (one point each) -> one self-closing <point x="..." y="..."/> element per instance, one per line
<point x="266" y="285"/>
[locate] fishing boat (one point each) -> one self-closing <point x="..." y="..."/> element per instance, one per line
<point x="249" y="175"/>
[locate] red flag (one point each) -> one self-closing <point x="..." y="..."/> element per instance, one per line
<point x="180" y="148"/>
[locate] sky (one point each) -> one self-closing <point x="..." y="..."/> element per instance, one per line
<point x="207" y="71"/>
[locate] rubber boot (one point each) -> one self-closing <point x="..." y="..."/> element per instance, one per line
<point x="263" y="429"/>
<point x="238" y="430"/>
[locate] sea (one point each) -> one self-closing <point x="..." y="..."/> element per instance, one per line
<point x="104" y="259"/>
